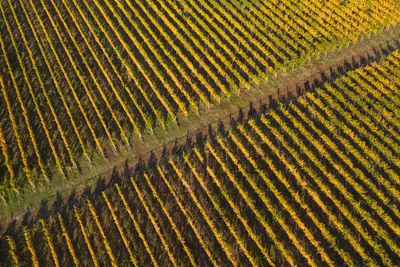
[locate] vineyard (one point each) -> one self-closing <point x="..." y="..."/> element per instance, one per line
<point x="81" y="79"/>
<point x="308" y="182"/>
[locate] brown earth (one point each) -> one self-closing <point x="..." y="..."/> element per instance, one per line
<point x="285" y="85"/>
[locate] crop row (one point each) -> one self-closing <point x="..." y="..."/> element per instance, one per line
<point x="310" y="182"/>
<point x="79" y="79"/>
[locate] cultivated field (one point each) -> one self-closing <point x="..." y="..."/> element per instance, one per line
<point x="312" y="181"/>
<point x="81" y="79"/>
<point x="308" y="180"/>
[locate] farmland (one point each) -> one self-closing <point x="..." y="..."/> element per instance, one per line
<point x="307" y="174"/>
<point x="312" y="181"/>
<point x="82" y="80"/>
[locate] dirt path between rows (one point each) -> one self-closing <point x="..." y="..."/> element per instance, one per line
<point x="290" y="84"/>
